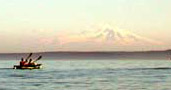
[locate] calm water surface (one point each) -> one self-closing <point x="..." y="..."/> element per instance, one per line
<point x="88" y="75"/>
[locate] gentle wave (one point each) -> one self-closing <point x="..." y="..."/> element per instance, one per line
<point x="90" y="75"/>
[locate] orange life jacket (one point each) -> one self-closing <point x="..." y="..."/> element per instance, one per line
<point x="22" y="63"/>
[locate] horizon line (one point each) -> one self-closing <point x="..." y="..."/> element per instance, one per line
<point x="82" y="51"/>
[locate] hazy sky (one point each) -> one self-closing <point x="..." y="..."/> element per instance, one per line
<point x="84" y="25"/>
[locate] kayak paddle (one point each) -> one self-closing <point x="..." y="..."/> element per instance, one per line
<point x="38" y="58"/>
<point x="29" y="56"/>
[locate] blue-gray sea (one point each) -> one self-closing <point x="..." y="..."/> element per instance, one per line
<point x="88" y="75"/>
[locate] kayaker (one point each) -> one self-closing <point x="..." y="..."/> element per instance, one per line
<point x="26" y="63"/>
<point x="31" y="63"/>
<point x="22" y="62"/>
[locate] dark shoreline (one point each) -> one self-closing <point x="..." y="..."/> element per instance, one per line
<point x="123" y="55"/>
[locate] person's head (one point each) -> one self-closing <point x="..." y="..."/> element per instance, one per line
<point x="30" y="60"/>
<point x="22" y="59"/>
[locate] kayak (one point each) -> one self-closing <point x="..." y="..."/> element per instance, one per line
<point x="38" y="66"/>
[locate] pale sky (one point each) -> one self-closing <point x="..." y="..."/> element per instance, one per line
<point x="84" y="25"/>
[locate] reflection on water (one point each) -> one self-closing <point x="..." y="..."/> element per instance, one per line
<point x="88" y="75"/>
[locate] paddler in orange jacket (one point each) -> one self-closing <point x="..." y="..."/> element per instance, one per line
<point x="22" y="62"/>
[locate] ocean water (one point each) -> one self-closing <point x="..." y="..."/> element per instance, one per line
<point x="88" y="75"/>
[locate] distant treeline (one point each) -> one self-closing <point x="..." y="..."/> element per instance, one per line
<point x="145" y="55"/>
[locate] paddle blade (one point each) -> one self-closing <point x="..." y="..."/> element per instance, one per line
<point x="39" y="58"/>
<point x="29" y="56"/>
